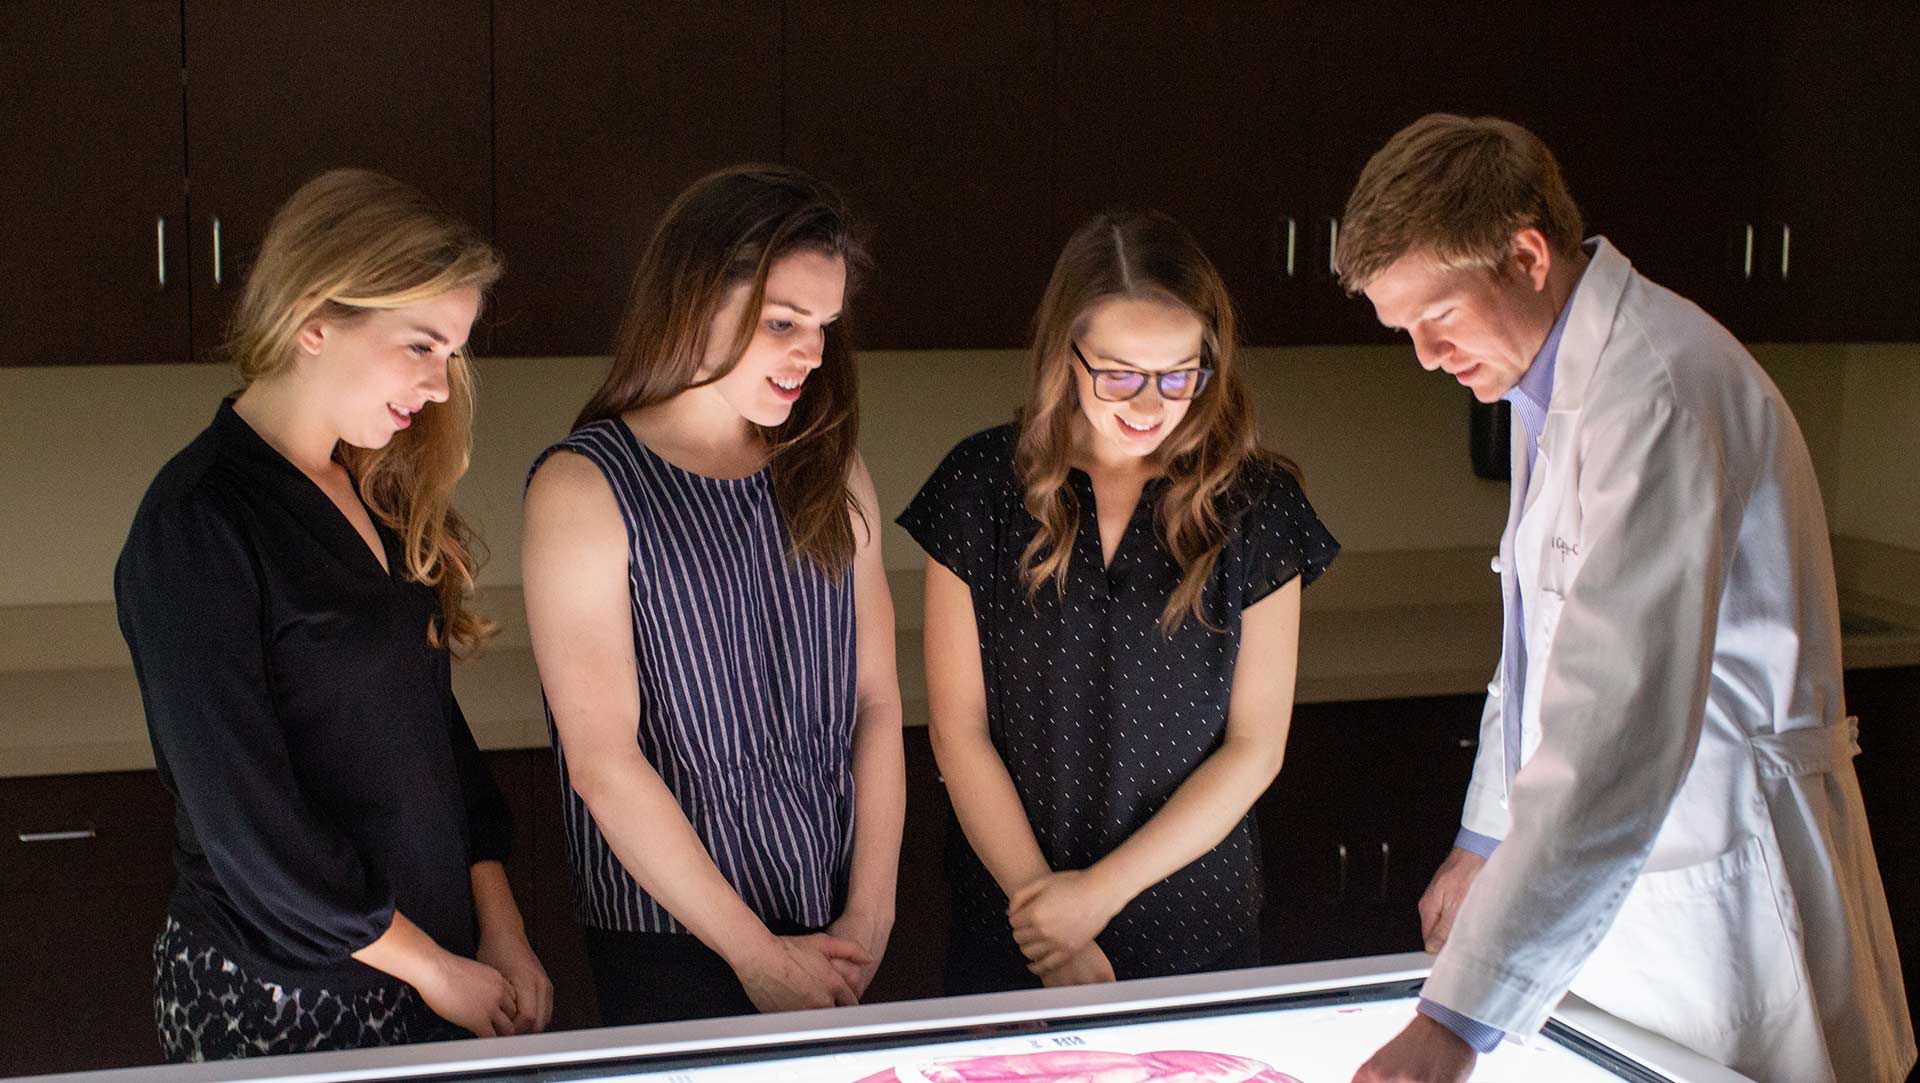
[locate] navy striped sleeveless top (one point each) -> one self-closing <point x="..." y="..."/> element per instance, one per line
<point x="746" y="664"/>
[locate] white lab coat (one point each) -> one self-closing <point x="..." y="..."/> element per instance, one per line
<point x="1686" y="846"/>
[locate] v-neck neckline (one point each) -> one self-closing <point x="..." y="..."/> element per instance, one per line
<point x="383" y="561"/>
<point x="1109" y="561"/>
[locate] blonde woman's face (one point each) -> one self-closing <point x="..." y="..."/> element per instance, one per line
<point x="1139" y="335"/>
<point x="804" y="293"/>
<point x="372" y="375"/>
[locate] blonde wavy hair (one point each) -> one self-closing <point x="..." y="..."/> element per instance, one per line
<point x="350" y="242"/>
<point x="1138" y="254"/>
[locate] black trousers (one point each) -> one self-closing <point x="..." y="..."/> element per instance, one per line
<point x="664" y="977"/>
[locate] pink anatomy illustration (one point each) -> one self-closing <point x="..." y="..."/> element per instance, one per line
<point x="1088" y="1066"/>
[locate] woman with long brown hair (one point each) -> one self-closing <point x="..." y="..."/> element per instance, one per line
<point x="710" y="616"/>
<point x="291" y="591"/>
<point x="1096" y="571"/>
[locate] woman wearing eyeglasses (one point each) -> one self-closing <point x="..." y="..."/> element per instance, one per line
<point x="1096" y="571"/>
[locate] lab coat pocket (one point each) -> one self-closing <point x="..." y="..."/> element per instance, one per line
<point x="1699" y="951"/>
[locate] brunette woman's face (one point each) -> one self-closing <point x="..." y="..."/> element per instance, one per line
<point x="1134" y="334"/>
<point x="804" y="293"/>
<point x="371" y="375"/>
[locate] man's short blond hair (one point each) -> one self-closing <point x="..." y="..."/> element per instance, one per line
<point x="1459" y="188"/>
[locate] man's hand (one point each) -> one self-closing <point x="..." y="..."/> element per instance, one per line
<point x="1441" y="902"/>
<point x="1425" y="1052"/>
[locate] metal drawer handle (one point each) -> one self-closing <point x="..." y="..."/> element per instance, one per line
<point x="58" y="836"/>
<point x="1342" y="851"/>
<point x="216" y="250"/>
<point x="160" y="245"/>
<point x="1386" y="859"/>
<point x="1746" y="259"/>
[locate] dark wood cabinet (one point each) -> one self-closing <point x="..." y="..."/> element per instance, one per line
<point x="604" y="111"/>
<point x="1196" y="110"/>
<point x="1372" y="69"/>
<point x="933" y="121"/>
<point x="1887" y="703"/>
<point x="1655" y="113"/>
<point x="92" y="182"/>
<point x="1364" y="810"/>
<point x="1757" y="159"/>
<point x="85" y="872"/>
<point x="1840" y="245"/>
<point x="401" y="88"/>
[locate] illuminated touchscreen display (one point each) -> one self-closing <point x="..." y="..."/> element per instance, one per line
<point x="1321" y="1043"/>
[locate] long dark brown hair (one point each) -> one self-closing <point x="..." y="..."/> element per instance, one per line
<point x="729" y="228"/>
<point x="349" y="242"/>
<point x="1138" y="254"/>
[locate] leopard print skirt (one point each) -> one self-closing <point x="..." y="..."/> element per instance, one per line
<point x="207" y="1008"/>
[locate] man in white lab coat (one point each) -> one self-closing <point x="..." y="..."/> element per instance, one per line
<point x="1663" y="815"/>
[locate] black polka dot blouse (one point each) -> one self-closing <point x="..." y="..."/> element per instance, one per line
<point x="1097" y="713"/>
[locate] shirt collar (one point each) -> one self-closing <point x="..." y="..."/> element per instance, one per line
<point x="1534" y="392"/>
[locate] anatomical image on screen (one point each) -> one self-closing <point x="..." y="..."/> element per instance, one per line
<point x="1318" y="1044"/>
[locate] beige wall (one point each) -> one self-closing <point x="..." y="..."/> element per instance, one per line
<point x="1383" y="445"/>
<point x="1880" y="443"/>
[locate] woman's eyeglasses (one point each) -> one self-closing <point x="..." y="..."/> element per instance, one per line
<point x="1119" y="385"/>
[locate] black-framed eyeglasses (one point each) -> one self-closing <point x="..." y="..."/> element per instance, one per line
<point x="1119" y="385"/>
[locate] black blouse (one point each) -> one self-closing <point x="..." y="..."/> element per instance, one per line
<point x="1098" y="715"/>
<point x="323" y="775"/>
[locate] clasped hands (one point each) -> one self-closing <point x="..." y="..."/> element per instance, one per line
<point x="1055" y="919"/>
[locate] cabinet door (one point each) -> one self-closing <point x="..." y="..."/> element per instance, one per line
<point x="86" y="866"/>
<point x="1364" y="810"/>
<point x="272" y="101"/>
<point x="1887" y="702"/>
<point x="605" y="111"/>
<point x="1197" y="110"/>
<point x="934" y="121"/>
<point x="548" y="909"/>
<point x="1655" y="116"/>
<point x="91" y="185"/>
<point x="915" y="963"/>
<point x="1373" y="69"/>
<point x="1842" y="239"/>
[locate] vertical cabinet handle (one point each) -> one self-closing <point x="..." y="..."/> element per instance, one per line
<point x="1746" y="254"/>
<point x="1786" y="248"/>
<point x="1386" y="864"/>
<point x="216" y="250"/>
<point x="1340" y="891"/>
<point x="1333" y="248"/>
<point x="160" y="246"/>
<point x="1286" y="241"/>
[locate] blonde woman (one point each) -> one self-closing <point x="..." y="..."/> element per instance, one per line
<point x="291" y="590"/>
<point x="1097" y="572"/>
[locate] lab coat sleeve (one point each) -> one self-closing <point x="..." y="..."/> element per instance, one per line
<point x="1483" y="814"/>
<point x="1622" y="699"/>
